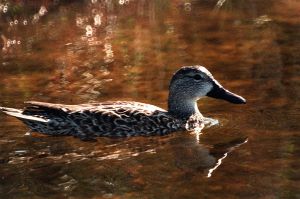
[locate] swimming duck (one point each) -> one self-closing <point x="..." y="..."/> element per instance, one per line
<point x="128" y="118"/>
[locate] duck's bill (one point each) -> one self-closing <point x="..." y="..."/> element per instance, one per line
<point x="220" y="93"/>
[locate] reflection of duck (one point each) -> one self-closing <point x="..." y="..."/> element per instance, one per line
<point x="221" y="150"/>
<point x="204" y="158"/>
<point x="122" y="118"/>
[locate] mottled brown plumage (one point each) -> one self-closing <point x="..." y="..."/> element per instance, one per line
<point x="124" y="118"/>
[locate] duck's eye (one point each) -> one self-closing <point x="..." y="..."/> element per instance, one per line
<point x="197" y="77"/>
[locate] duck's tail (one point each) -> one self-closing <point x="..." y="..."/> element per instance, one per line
<point x="18" y="113"/>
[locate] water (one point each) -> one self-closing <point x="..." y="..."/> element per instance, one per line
<point x="87" y="51"/>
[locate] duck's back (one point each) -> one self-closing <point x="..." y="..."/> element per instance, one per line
<point x="113" y="119"/>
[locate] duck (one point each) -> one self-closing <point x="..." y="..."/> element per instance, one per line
<point x="129" y="118"/>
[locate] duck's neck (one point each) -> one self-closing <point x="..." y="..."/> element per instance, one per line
<point x="182" y="108"/>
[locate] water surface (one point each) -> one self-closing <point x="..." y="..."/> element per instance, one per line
<point x="86" y="51"/>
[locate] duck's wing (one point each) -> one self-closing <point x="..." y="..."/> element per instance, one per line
<point x="38" y="111"/>
<point x="30" y="104"/>
<point x="119" y="118"/>
<point x="18" y="113"/>
<point x="46" y="110"/>
<point x="119" y="105"/>
<point x="43" y="110"/>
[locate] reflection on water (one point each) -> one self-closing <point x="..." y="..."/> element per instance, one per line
<point x="95" y="50"/>
<point x="108" y="162"/>
<point x="229" y="148"/>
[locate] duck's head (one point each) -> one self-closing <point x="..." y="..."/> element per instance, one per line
<point x="190" y="83"/>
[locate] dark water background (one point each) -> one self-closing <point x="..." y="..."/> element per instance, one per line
<point x="85" y="51"/>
